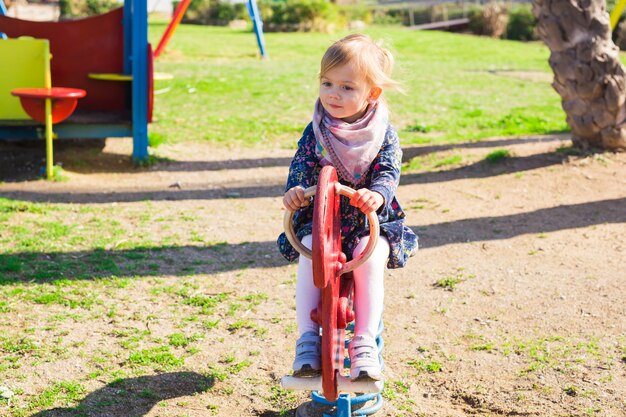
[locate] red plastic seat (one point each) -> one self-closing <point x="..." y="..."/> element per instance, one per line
<point x="63" y="100"/>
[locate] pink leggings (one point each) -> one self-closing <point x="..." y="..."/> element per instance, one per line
<point x="369" y="290"/>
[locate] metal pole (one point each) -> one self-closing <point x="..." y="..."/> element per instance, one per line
<point x="344" y="407"/>
<point x="49" y="134"/>
<point x="49" y="153"/>
<point x="3" y="12"/>
<point x="257" y="23"/>
<point x="139" y="45"/>
<point x="169" y="31"/>
<point x="617" y="12"/>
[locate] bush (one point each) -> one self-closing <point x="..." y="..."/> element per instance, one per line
<point x="439" y="13"/>
<point x="401" y="14"/>
<point x="521" y="26"/>
<point x="214" y="12"/>
<point x="491" y="20"/>
<point x="355" y="12"/>
<point x="80" y="8"/>
<point x="389" y="16"/>
<point x="278" y="16"/>
<point x="299" y="15"/>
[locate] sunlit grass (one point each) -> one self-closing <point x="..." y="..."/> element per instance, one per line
<point x="458" y="87"/>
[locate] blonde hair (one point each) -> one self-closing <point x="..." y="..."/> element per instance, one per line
<point x="370" y="58"/>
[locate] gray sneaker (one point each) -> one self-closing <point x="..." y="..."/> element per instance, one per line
<point x="364" y="360"/>
<point x="308" y="353"/>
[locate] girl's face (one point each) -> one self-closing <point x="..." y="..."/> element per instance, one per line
<point x="344" y="93"/>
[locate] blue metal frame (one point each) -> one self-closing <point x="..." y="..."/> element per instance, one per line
<point x="343" y="405"/>
<point x="255" y="16"/>
<point x="3" y="12"/>
<point x="67" y="130"/>
<point x="139" y="64"/>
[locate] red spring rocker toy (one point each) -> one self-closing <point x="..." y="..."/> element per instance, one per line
<point x="333" y="276"/>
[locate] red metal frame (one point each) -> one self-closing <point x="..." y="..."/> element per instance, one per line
<point x="335" y="305"/>
<point x="171" y="27"/>
<point x="150" y="83"/>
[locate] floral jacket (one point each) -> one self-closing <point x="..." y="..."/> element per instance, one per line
<point x="383" y="177"/>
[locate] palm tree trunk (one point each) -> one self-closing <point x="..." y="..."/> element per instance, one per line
<point x="587" y="72"/>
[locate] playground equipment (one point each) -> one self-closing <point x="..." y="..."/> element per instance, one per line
<point x="3" y="12"/>
<point x="30" y="70"/>
<point x="178" y="14"/>
<point x="333" y="276"/>
<point x="109" y="57"/>
<point x="171" y="27"/>
<point x="111" y="43"/>
<point x="257" y="23"/>
<point x="616" y="13"/>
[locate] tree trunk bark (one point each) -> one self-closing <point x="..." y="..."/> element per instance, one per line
<point x="587" y="72"/>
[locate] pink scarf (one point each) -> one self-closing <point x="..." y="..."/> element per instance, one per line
<point x="350" y="147"/>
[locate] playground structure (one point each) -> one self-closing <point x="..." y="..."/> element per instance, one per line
<point x="182" y="7"/>
<point x="108" y="57"/>
<point x="111" y="43"/>
<point x="30" y="59"/>
<point x="333" y="276"/>
<point x="616" y="13"/>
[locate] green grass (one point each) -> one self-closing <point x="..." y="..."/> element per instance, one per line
<point x="158" y="358"/>
<point x="448" y="283"/>
<point x="454" y="86"/>
<point x="498" y="155"/>
<point x="54" y="241"/>
<point x="206" y="303"/>
<point x="181" y="340"/>
<point x="488" y="347"/>
<point x="426" y="365"/>
<point x="73" y="266"/>
<point x="431" y="162"/>
<point x="282" y="399"/>
<point x="63" y="393"/>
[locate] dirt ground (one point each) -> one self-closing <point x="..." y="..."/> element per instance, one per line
<point x="513" y="306"/>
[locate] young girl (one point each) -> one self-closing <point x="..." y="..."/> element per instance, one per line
<point x="351" y="131"/>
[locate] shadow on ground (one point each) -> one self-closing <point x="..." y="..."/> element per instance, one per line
<point x="272" y="413"/>
<point x="484" y="169"/>
<point x="134" y="396"/>
<point x="221" y="257"/>
<point x="480" y="169"/>
<point x="410" y="152"/>
<point x="25" y="161"/>
<point x="544" y="220"/>
<point x="137" y="262"/>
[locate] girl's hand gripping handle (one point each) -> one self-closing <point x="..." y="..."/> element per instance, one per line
<point x="304" y="251"/>
<point x="295" y="198"/>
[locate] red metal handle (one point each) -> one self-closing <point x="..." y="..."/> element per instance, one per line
<point x="307" y="253"/>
